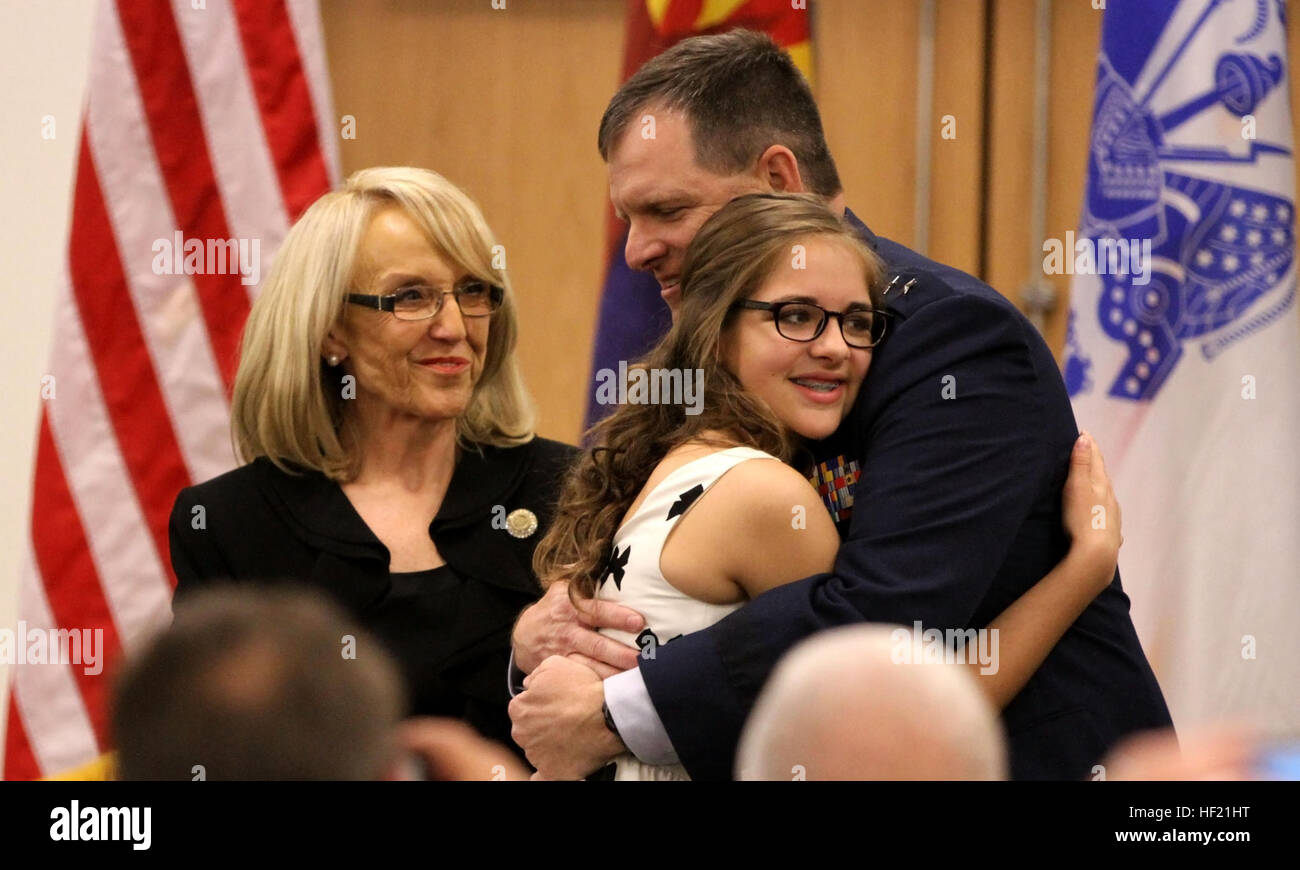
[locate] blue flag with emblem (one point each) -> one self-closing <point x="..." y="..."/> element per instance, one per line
<point x="1183" y="347"/>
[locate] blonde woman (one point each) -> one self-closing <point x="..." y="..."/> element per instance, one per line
<point x="390" y="460"/>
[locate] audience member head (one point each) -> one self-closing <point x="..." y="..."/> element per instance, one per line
<point x="1227" y="750"/>
<point x="839" y="707"/>
<point x="252" y="684"/>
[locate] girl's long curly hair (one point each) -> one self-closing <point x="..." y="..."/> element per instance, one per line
<point x="728" y="260"/>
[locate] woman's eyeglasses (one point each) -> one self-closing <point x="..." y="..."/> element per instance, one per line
<point x="804" y="321"/>
<point x="420" y="301"/>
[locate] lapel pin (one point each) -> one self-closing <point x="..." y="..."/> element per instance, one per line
<point x="521" y="523"/>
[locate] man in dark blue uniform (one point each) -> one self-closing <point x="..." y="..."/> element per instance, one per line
<point x="962" y="434"/>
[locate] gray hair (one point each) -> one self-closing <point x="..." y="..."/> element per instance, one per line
<point x="839" y="707"/>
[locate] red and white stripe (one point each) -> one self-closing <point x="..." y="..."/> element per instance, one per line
<point x="215" y="122"/>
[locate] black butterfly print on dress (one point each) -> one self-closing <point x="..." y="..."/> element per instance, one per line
<point x="614" y="567"/>
<point x="685" y="500"/>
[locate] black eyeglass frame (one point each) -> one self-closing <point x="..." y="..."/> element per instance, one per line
<point x="827" y="314"/>
<point x="388" y="302"/>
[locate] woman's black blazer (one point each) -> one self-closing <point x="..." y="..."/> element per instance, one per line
<point x="259" y="524"/>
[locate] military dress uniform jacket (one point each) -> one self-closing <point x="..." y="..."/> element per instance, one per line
<point x="264" y="526"/>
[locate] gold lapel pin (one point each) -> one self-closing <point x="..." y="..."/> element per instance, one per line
<point x="521" y="523"/>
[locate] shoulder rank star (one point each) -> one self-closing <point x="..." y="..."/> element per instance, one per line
<point x="521" y="523"/>
<point x="894" y="282"/>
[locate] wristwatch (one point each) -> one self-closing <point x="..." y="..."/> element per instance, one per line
<point x="609" y="721"/>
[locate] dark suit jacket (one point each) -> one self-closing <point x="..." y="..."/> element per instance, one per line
<point x="957" y="513"/>
<point x="265" y="526"/>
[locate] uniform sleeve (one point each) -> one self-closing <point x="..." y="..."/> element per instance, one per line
<point x="951" y="467"/>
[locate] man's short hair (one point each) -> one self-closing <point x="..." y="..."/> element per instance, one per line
<point x="741" y="94"/>
<point x="253" y="684"/>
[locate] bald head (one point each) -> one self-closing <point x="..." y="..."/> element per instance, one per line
<point x="839" y="707"/>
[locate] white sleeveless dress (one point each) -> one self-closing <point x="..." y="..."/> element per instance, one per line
<point x="633" y="579"/>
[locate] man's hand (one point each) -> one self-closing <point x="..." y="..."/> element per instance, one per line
<point x="554" y="627"/>
<point x="559" y="721"/>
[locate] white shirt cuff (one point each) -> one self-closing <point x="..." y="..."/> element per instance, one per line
<point x="514" y="676"/>
<point x="638" y="724"/>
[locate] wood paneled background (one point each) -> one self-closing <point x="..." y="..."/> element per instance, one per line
<point x="506" y="103"/>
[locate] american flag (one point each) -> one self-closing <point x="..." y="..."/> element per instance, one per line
<point x="206" y="118"/>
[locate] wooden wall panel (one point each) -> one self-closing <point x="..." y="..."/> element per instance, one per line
<point x="1010" y="143"/>
<point x="1076" y="38"/>
<point x="865" y="55"/>
<point x="957" y="165"/>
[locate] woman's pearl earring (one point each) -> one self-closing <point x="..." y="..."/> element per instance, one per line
<point x="333" y="360"/>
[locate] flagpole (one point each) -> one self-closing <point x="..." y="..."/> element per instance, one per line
<point x="1038" y="295"/>
<point x="924" y="124"/>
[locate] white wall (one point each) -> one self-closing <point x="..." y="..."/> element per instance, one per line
<point x="44" y="56"/>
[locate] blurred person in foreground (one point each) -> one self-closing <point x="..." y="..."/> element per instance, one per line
<point x="256" y="684"/>
<point x="1214" y="751"/>
<point x="846" y="705"/>
<point x="388" y="443"/>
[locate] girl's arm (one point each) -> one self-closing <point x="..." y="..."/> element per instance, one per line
<point x="758" y="546"/>
<point x="1029" y="628"/>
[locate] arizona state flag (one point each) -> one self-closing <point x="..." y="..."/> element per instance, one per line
<point x="632" y="315"/>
